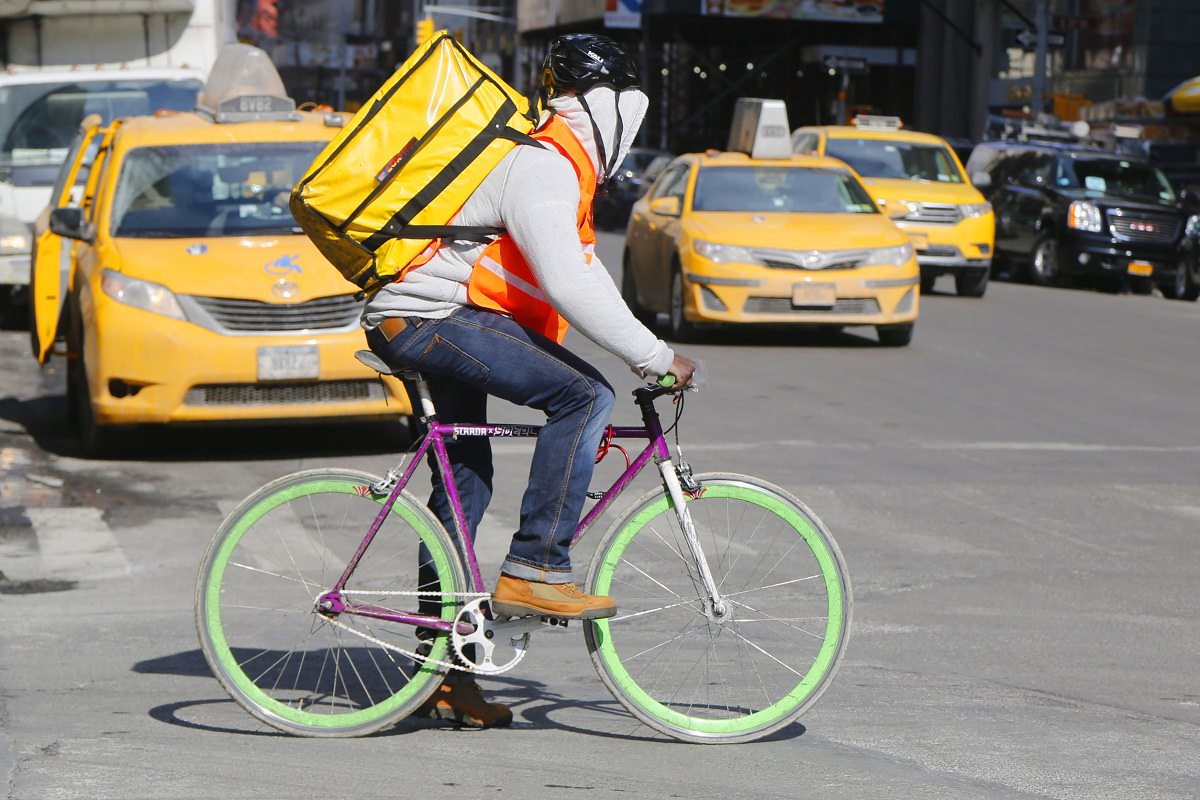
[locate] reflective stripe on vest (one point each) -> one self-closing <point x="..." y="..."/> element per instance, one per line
<point x="503" y="281"/>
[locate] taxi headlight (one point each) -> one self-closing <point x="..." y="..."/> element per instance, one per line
<point x="723" y="253"/>
<point x="15" y="237"/>
<point x="971" y="210"/>
<point x="1084" y="216"/>
<point x="896" y="256"/>
<point x="152" y="297"/>
<point x="1193" y="226"/>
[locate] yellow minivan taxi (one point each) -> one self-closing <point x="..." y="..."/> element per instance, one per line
<point x="188" y="292"/>
<point x="722" y="237"/>
<point x="921" y="185"/>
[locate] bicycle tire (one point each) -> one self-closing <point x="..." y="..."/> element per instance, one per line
<point x="260" y="632"/>
<point x="677" y="669"/>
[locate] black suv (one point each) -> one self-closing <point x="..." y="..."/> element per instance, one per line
<point x="1067" y="211"/>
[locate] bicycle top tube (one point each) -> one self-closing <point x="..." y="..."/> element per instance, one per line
<point x="644" y="397"/>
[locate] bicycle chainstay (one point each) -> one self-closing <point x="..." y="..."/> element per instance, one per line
<point x="394" y="648"/>
<point x="510" y="626"/>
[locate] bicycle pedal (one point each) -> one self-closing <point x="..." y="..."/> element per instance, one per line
<point x="555" y="622"/>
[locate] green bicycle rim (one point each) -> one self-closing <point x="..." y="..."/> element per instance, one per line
<point x="790" y="702"/>
<point x="224" y="655"/>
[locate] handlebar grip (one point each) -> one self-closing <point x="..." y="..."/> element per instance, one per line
<point x="666" y="381"/>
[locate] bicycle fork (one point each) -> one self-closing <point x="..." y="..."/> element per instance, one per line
<point x="717" y="608"/>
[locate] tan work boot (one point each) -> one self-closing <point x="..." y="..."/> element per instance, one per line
<point x="459" y="699"/>
<point x="515" y="597"/>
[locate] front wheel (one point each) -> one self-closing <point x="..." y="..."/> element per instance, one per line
<point x="971" y="283"/>
<point x="1183" y="287"/>
<point x="681" y="329"/>
<point x="894" y="335"/>
<point x="629" y="293"/>
<point x="1044" y="267"/>
<point x="709" y="675"/>
<point x="311" y="671"/>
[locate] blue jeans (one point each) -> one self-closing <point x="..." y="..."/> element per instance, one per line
<point x="475" y="353"/>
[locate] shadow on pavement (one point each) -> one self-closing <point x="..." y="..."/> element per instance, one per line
<point x="533" y="704"/>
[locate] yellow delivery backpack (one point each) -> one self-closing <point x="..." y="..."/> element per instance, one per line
<point x="387" y="185"/>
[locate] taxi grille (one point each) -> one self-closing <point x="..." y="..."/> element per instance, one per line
<point x="783" y="305"/>
<point x="785" y="259"/>
<point x="933" y="213"/>
<point x="940" y="251"/>
<point x="1134" y="226"/>
<point x="257" y="394"/>
<point x="323" y="313"/>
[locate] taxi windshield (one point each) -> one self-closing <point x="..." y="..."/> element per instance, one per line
<point x="1111" y="176"/>
<point x="39" y="120"/>
<point x="883" y="158"/>
<point x="209" y="190"/>
<point x="780" y="189"/>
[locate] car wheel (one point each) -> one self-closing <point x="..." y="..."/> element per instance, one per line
<point x="1183" y="287"/>
<point x="14" y="308"/>
<point x="629" y="294"/>
<point x="1043" y="268"/>
<point x="895" y="335"/>
<point x="971" y="284"/>
<point x="681" y="329"/>
<point x="94" y="439"/>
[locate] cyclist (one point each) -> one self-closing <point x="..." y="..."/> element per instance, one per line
<point x="487" y="319"/>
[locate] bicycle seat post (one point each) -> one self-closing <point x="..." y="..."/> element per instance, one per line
<point x="417" y="385"/>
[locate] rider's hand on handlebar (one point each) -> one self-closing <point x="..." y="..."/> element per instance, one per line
<point x="683" y="369"/>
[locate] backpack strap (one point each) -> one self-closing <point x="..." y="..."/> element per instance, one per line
<point x="396" y="227"/>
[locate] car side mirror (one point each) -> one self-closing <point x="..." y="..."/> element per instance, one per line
<point x="70" y="223"/>
<point x="981" y="180"/>
<point x="667" y="206"/>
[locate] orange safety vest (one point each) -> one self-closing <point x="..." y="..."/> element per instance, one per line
<point x="503" y="281"/>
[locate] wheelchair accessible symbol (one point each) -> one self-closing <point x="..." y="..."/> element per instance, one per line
<point x="283" y="265"/>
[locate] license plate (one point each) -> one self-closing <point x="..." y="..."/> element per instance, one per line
<point x="1143" y="268"/>
<point x="288" y="363"/>
<point x="814" y="294"/>
<point x="920" y="241"/>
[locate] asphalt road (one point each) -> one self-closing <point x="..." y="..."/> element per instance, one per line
<point x="1017" y="495"/>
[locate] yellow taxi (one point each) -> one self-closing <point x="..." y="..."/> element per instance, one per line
<point x="187" y="292"/>
<point x="755" y="234"/>
<point x="921" y="185"/>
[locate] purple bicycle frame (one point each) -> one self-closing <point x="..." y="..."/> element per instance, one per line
<point x="334" y="601"/>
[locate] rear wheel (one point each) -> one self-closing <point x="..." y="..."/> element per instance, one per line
<point x="309" y="670"/>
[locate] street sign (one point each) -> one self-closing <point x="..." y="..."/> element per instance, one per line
<point x="844" y="63"/>
<point x="1028" y="39"/>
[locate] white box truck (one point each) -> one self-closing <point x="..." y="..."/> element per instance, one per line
<point x="62" y="60"/>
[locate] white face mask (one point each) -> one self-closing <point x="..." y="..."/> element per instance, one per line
<point x="605" y="121"/>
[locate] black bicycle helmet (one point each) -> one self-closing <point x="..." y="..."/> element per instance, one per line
<point x="578" y="61"/>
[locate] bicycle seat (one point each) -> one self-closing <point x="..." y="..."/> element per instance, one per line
<point x="379" y="365"/>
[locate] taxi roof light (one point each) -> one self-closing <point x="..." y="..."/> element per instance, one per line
<point x="244" y="86"/>
<point x="877" y="122"/>
<point x="760" y="128"/>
